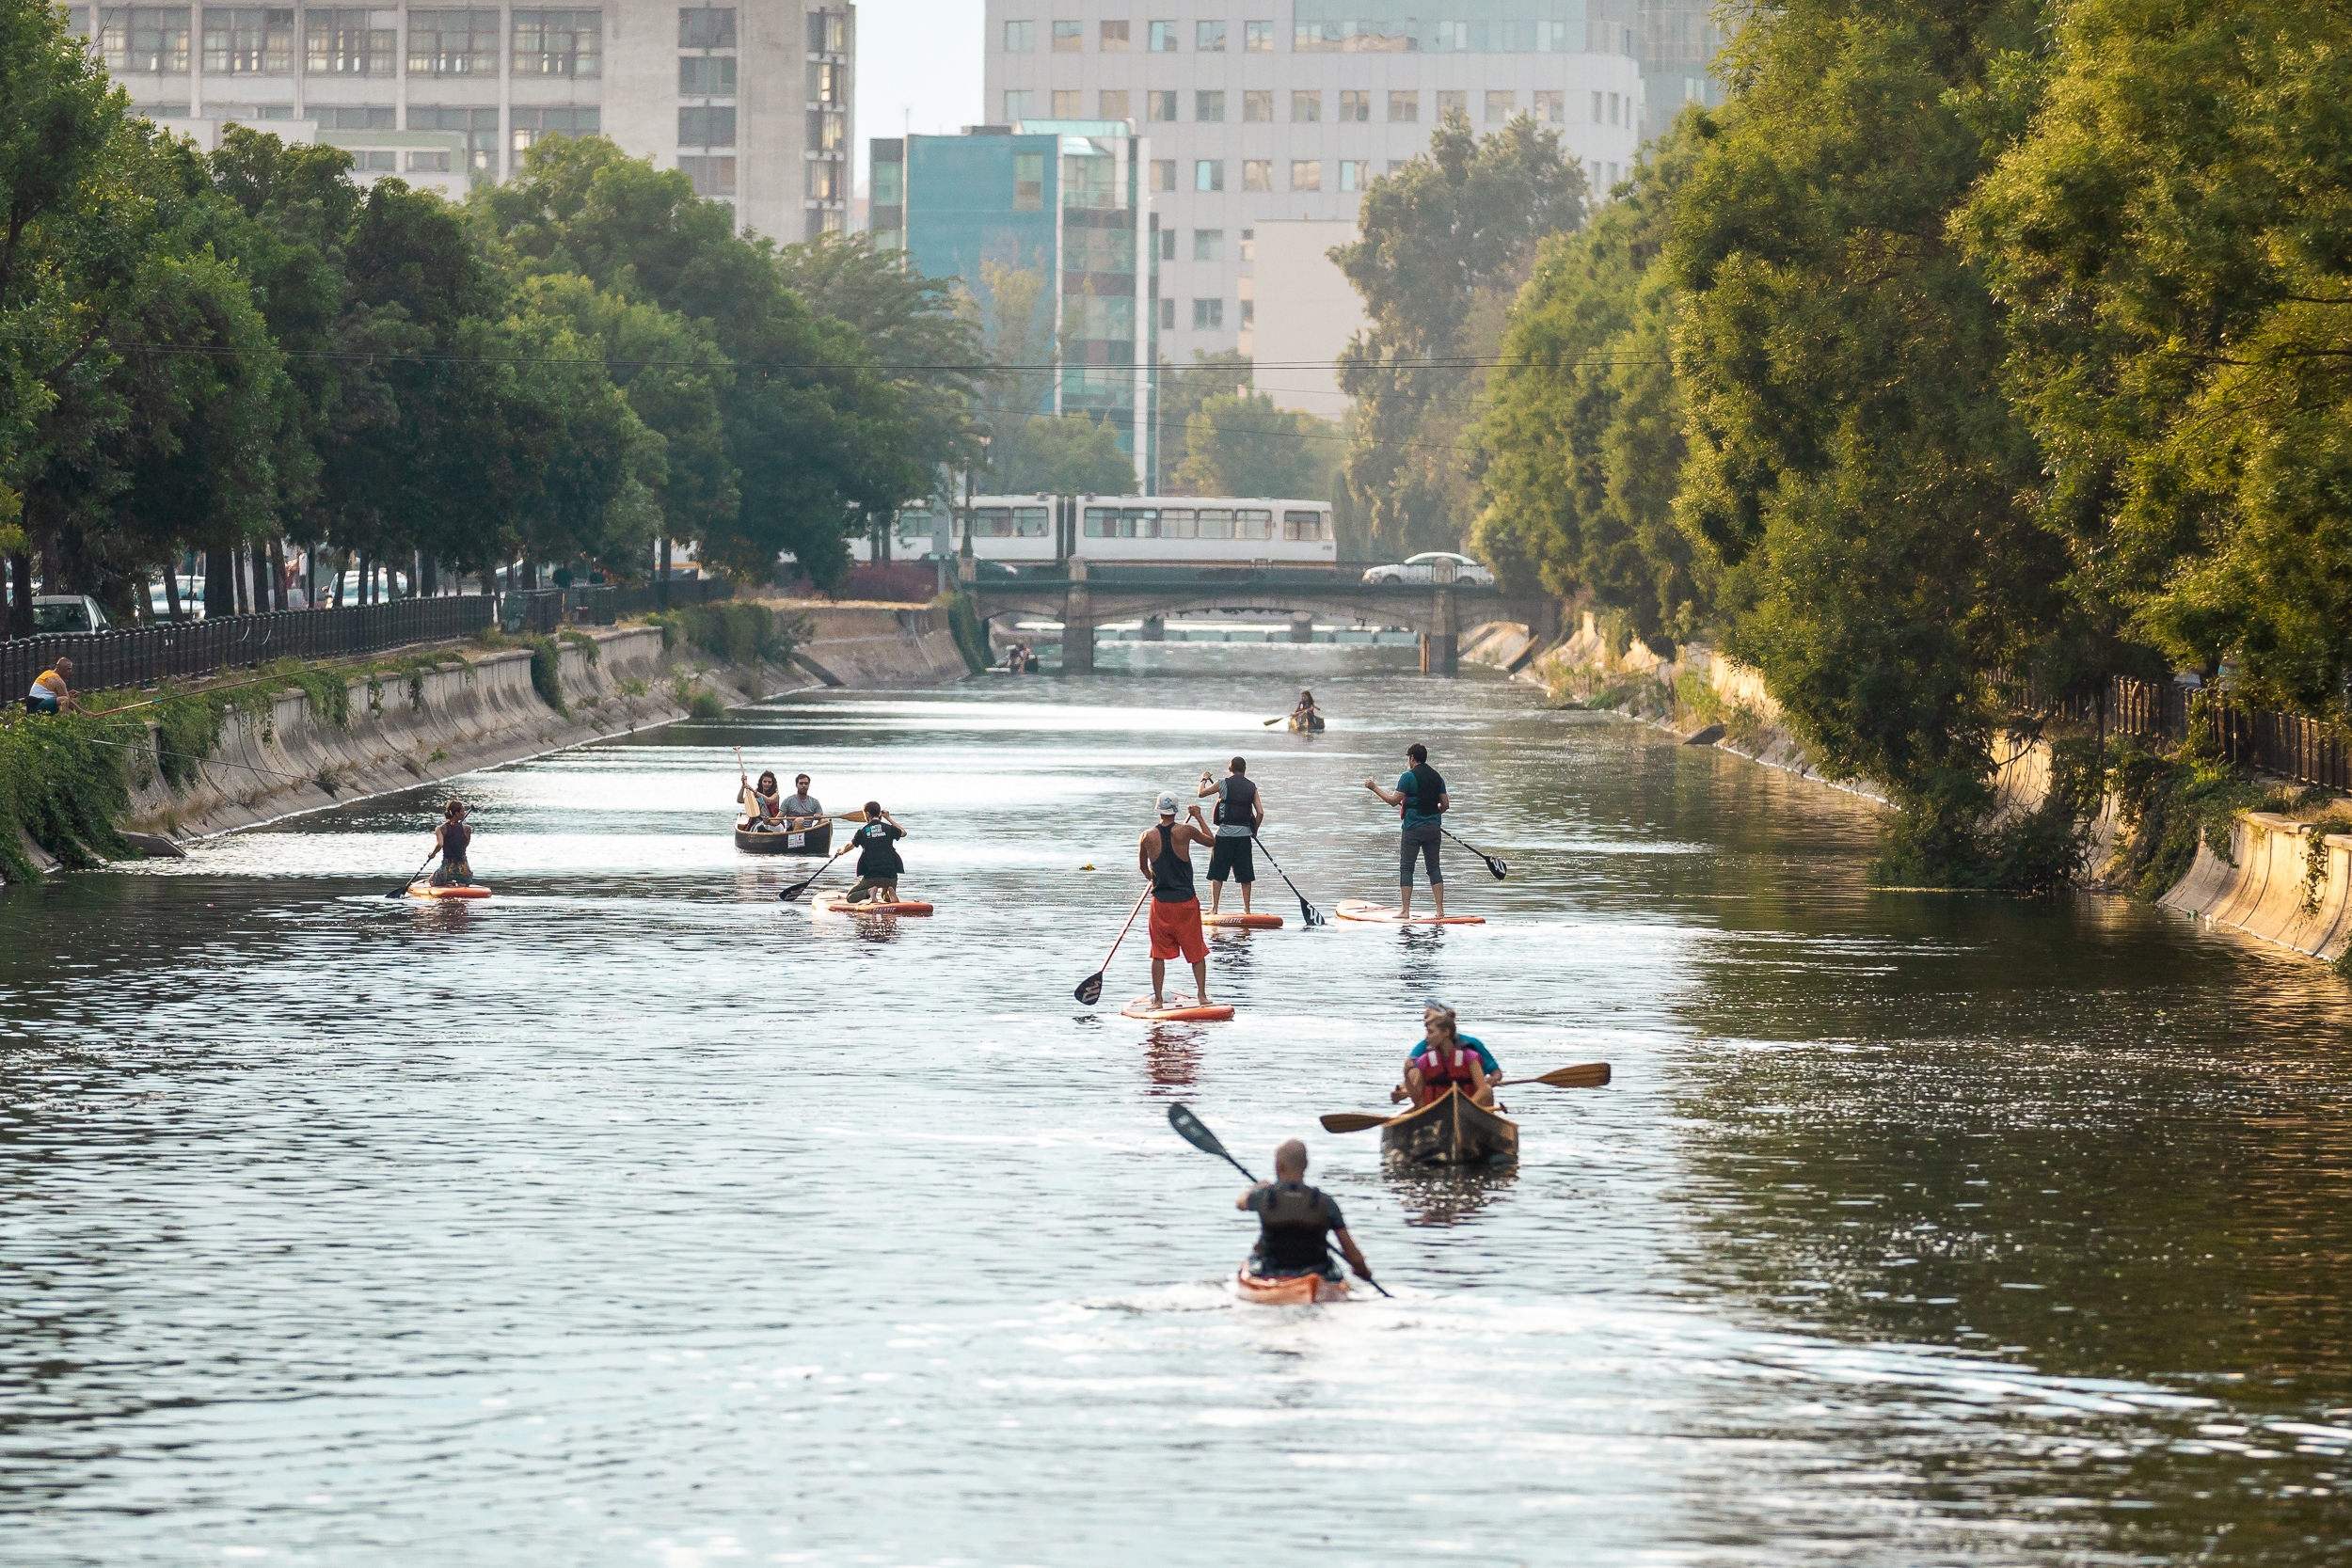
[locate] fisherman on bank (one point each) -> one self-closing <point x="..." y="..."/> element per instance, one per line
<point x="1420" y="795"/>
<point x="1293" y="1221"/>
<point x="1164" y="855"/>
<point x="1239" y="814"/>
<point x="53" y="692"/>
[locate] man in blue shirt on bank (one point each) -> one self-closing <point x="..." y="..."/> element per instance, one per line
<point x="1421" y="794"/>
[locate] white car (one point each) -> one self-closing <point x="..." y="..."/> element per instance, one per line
<point x="1433" y="566"/>
<point x="67" y="613"/>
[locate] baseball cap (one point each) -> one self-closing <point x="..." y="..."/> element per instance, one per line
<point x="1167" y="802"/>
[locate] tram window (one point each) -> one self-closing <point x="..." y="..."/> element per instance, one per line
<point x="1102" y="522"/>
<point x="1031" y="522"/>
<point x="1215" y="523"/>
<point x="994" y="522"/>
<point x="1251" y="523"/>
<point x="914" y="525"/>
<point x="1176" y="525"/>
<point x="1302" y="525"/>
<point x="1139" y="522"/>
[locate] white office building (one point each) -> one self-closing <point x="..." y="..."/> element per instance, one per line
<point x="1287" y="114"/>
<point x="750" y="100"/>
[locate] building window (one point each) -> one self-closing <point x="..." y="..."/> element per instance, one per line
<point x="827" y="83"/>
<point x="1257" y="174"/>
<point x="824" y="179"/>
<point x="1551" y="108"/>
<point x="1257" y="108"/>
<point x="1551" y="37"/>
<point x="1208" y="244"/>
<point x="828" y="132"/>
<point x="1019" y="36"/>
<point x="1162" y="107"/>
<point x="1067" y="104"/>
<point x="1596" y="101"/>
<point x="1163" y="37"/>
<point x="1306" y="108"/>
<point x="561" y="43"/>
<point x="242" y="41"/>
<point x="340" y="43"/>
<point x="1163" y="175"/>
<point x="1114" y="104"/>
<point x="706" y="28"/>
<point x="828" y="32"/>
<point x="1306" y="174"/>
<point x="1016" y="106"/>
<point x="1450" y="38"/>
<point x="357" y="117"/>
<point x="1208" y="315"/>
<point x="706" y="76"/>
<point x="1208" y="174"/>
<point x="1114" y="38"/>
<point x="1404" y="108"/>
<point x="1028" y="181"/>
<point x="369" y="161"/>
<point x="890" y="186"/>
<point x="428" y="163"/>
<point x="146" y="38"/>
<point x="1069" y="37"/>
<point x="1208" y="37"/>
<point x="712" y="175"/>
<point x="1452" y="104"/>
<point x="1248" y="314"/>
<point x="1257" y="37"/>
<point x="453" y="44"/>
<point x="1208" y="107"/>
<point x="526" y="127"/>
<point x="1354" y="173"/>
<point x="1355" y="107"/>
<point x="706" y="127"/>
<point x="1500" y="106"/>
<point x="160" y="111"/>
<point x="1168" y="245"/>
<point x="481" y="128"/>
<point x="1168" y="315"/>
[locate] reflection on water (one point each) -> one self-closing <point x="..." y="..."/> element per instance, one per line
<point x="633" y="1216"/>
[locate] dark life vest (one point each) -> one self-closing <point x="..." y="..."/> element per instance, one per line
<point x="1427" y="786"/>
<point x="1293" y="1221"/>
<point x="1238" y="803"/>
<point x="1171" y="871"/>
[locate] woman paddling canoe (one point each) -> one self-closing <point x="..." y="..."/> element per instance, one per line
<point x="1447" y="1059"/>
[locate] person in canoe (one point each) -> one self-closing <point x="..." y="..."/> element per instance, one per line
<point x="1164" y="855"/>
<point x="1293" y="1221"/>
<point x="800" y="809"/>
<point x="1240" y="813"/>
<point x="879" y="867"/>
<point x="1303" y="715"/>
<point x="763" y="804"/>
<point x="1447" y="1058"/>
<point x="453" y="838"/>
<point x="1421" y="798"/>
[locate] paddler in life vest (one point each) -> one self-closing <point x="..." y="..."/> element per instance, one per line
<point x="1420" y="796"/>
<point x="1293" y="1220"/>
<point x="1239" y="816"/>
<point x="53" y="690"/>
<point x="1164" y="855"/>
<point x="453" y="838"/>
<point x="1447" y="1058"/>
<point x="879" y="867"/>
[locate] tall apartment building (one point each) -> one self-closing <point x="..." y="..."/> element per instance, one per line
<point x="1288" y="113"/>
<point x="750" y="100"/>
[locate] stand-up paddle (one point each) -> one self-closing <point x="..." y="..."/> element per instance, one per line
<point x="1306" y="912"/>
<point x="402" y="891"/>
<point x="1188" y="1126"/>
<point x="798" y="888"/>
<point x="1089" y="990"/>
<point x="1497" y="867"/>
<point x="1591" y="1075"/>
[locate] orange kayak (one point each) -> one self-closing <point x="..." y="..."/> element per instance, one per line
<point x="1178" y="1008"/>
<point x="1357" y="909"/>
<point x="834" y="903"/>
<point x="426" y="890"/>
<point x="1303" y="1290"/>
<point x="1245" y="922"/>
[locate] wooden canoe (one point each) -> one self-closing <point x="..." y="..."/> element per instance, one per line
<point x="1312" y="724"/>
<point x="814" y="841"/>
<point x="1302" y="1290"/>
<point x="1451" y="1130"/>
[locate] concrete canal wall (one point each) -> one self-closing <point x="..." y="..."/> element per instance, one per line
<point x="872" y="644"/>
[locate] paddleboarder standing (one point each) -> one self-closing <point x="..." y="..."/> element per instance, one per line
<point x="1240" y="813"/>
<point x="1164" y="855"/>
<point x="1293" y="1220"/>
<point x="1420" y="795"/>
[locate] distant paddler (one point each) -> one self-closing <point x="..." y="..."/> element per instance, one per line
<point x="452" y="840"/>
<point x="53" y="690"/>
<point x="1293" y="1221"/>
<point x="1446" y="1059"/>
<point x="762" y="803"/>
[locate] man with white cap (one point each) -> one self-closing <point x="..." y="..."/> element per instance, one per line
<point x="1164" y="855"/>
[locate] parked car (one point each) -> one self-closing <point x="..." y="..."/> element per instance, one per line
<point x="1431" y="566"/>
<point x="191" y="599"/>
<point x="56" y="612"/>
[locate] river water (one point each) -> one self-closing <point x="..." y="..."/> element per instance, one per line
<point x="635" y="1217"/>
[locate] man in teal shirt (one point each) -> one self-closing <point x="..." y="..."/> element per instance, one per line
<point x="1421" y="794"/>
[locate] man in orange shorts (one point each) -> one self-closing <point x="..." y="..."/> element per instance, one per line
<point x="1164" y="855"/>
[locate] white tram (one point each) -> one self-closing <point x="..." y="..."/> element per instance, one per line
<point x="1168" y="530"/>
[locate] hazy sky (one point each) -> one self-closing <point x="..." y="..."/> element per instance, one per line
<point x="918" y="57"/>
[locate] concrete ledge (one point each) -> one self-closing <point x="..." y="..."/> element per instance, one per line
<point x="2262" y="893"/>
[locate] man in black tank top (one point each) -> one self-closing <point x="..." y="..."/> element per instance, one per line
<point x="1164" y="855"/>
<point x="1293" y="1220"/>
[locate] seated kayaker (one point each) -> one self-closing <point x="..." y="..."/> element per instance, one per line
<point x="800" y="809"/>
<point x="1293" y="1220"/>
<point x="1447" y="1058"/>
<point x="877" y="863"/>
<point x="453" y="838"/>
<point x="763" y="804"/>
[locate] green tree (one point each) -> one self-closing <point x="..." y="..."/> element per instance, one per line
<point x="1182" y="388"/>
<point x="1245" y="445"/>
<point x="1072" y="455"/>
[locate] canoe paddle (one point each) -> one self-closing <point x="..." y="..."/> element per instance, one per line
<point x="402" y="891"/>
<point x="1090" y="988"/>
<point x="1188" y="1126"/>
<point x="1306" y="912"/>
<point x="798" y="888"/>
<point x="1591" y="1075"/>
<point x="1497" y="867"/>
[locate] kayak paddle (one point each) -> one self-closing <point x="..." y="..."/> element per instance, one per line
<point x="1497" y="867"/>
<point x="797" y="889"/>
<point x="1591" y="1075"/>
<point x="1306" y="912"/>
<point x="402" y="891"/>
<point x="1189" y="1128"/>
<point x="1089" y="990"/>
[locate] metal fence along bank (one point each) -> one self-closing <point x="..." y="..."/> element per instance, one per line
<point x="2308" y="751"/>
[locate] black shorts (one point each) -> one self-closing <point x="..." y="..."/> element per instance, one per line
<point x="1230" y="857"/>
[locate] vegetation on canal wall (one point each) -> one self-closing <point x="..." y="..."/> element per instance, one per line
<point x="964" y="623"/>
<point x="62" y="785"/>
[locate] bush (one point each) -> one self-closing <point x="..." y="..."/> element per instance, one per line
<point x="62" y="784"/>
<point x="963" y="622"/>
<point x="706" y="705"/>
<point x="736" y="632"/>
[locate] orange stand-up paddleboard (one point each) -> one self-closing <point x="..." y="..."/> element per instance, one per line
<point x="1245" y="922"/>
<point x="1178" y="1008"/>
<point x="834" y="903"/>
<point x="1303" y="1290"/>
<point x="1385" y="914"/>
<point x="426" y="890"/>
